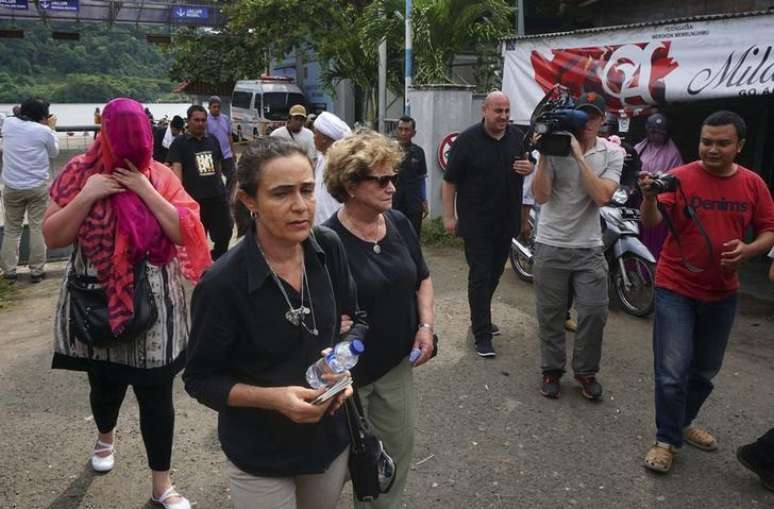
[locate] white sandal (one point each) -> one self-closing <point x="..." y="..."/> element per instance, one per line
<point x="102" y="464"/>
<point x="183" y="503"/>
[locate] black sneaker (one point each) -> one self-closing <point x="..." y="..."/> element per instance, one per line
<point x="495" y="330"/>
<point x="485" y="349"/>
<point x="37" y="278"/>
<point x="591" y="388"/>
<point x="748" y="459"/>
<point x="550" y="386"/>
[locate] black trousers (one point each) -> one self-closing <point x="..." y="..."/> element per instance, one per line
<point x="412" y="209"/>
<point x="415" y="218"/>
<point x="486" y="257"/>
<point x="157" y="415"/>
<point x="229" y="171"/>
<point x="216" y="218"/>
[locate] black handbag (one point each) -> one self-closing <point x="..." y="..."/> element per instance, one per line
<point x="89" y="309"/>
<point x="372" y="470"/>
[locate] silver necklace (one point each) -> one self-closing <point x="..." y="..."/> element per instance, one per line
<point x="376" y="248"/>
<point x="296" y="316"/>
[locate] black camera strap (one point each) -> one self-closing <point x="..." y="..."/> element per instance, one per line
<point x="690" y="213"/>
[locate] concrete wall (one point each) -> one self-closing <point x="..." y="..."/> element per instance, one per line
<point x="438" y="111"/>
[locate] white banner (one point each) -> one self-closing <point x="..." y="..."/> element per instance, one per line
<point x="636" y="68"/>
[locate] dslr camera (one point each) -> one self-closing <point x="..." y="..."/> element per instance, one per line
<point x="553" y="119"/>
<point x="663" y="183"/>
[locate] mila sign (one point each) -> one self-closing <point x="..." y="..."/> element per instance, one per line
<point x="637" y="68"/>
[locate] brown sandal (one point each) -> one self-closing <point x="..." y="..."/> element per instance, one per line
<point x="660" y="457"/>
<point x="700" y="438"/>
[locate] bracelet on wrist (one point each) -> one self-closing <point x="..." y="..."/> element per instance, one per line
<point x="424" y="325"/>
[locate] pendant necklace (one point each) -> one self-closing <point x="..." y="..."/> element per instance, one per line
<point x="296" y="316"/>
<point x="375" y="247"/>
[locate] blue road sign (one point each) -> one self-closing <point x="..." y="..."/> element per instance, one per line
<point x="59" y="5"/>
<point x="190" y="13"/>
<point x="19" y="5"/>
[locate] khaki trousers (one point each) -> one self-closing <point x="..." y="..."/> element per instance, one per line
<point x="16" y="203"/>
<point x="390" y="407"/>
<point x="319" y="491"/>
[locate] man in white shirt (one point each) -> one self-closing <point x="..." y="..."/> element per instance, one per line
<point x="295" y="130"/>
<point x="29" y="141"/>
<point x="328" y="128"/>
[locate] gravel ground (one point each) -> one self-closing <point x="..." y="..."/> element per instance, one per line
<point x="485" y="437"/>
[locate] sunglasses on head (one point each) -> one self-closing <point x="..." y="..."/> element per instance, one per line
<point x="382" y="180"/>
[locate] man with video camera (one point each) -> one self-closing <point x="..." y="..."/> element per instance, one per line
<point x="569" y="248"/>
<point x="708" y="205"/>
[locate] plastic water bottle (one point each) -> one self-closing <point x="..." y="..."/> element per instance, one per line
<point x="343" y="357"/>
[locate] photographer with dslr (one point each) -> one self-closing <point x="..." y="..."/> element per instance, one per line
<point x="568" y="248"/>
<point x="707" y="205"/>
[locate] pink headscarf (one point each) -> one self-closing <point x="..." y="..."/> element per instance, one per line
<point x="128" y="136"/>
<point x="658" y="158"/>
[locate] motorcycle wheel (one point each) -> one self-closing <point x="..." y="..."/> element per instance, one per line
<point x="521" y="265"/>
<point x="639" y="299"/>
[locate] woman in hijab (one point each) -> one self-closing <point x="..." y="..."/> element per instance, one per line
<point x="658" y="154"/>
<point x="119" y="208"/>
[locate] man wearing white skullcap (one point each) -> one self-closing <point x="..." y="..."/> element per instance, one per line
<point x="327" y="129"/>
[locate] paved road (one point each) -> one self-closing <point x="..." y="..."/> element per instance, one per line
<point x="485" y="437"/>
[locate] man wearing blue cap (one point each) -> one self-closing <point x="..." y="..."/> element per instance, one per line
<point x="569" y="249"/>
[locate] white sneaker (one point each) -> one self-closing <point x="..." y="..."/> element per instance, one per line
<point x="102" y="463"/>
<point x="183" y="503"/>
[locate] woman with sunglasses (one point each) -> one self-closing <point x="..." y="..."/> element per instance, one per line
<point x="394" y="289"/>
<point x="261" y="315"/>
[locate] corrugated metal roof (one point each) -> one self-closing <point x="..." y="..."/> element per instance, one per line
<point x="687" y="19"/>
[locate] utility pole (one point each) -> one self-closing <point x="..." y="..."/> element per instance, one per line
<point x="409" y="60"/>
<point x="382" y="83"/>
<point x="519" y="17"/>
<point x="382" y="78"/>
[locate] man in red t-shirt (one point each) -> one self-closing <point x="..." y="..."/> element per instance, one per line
<point x="696" y="279"/>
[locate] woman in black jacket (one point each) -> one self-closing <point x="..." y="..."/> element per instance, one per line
<point x="261" y="315"/>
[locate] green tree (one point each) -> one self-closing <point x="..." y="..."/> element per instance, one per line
<point x="101" y="65"/>
<point x="345" y="35"/>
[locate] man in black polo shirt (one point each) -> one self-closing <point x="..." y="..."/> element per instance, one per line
<point x="410" y="195"/>
<point x="196" y="159"/>
<point x="484" y="180"/>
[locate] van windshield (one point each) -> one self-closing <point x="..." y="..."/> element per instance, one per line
<point x="276" y="105"/>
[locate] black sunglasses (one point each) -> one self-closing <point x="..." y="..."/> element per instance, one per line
<point x="382" y="180"/>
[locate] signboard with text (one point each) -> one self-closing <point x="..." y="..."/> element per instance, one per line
<point x="636" y="68"/>
<point x="59" y="5"/>
<point x="190" y="13"/>
<point x="19" y="5"/>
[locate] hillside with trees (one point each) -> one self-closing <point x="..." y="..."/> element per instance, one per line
<point x="102" y="64"/>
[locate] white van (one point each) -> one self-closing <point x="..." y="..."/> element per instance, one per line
<point x="260" y="106"/>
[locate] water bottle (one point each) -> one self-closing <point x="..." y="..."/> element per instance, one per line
<point x="343" y="357"/>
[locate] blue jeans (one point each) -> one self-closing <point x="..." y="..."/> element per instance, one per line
<point x="689" y="341"/>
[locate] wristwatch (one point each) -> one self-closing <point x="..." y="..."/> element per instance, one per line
<point x="426" y="326"/>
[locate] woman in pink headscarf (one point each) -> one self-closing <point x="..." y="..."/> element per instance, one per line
<point x="658" y="154"/>
<point x="119" y="208"/>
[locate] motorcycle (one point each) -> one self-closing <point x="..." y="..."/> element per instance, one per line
<point x="632" y="266"/>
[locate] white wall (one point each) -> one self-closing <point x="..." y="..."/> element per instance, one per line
<point x="438" y="110"/>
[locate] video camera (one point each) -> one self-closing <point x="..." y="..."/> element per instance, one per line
<point x="553" y="119"/>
